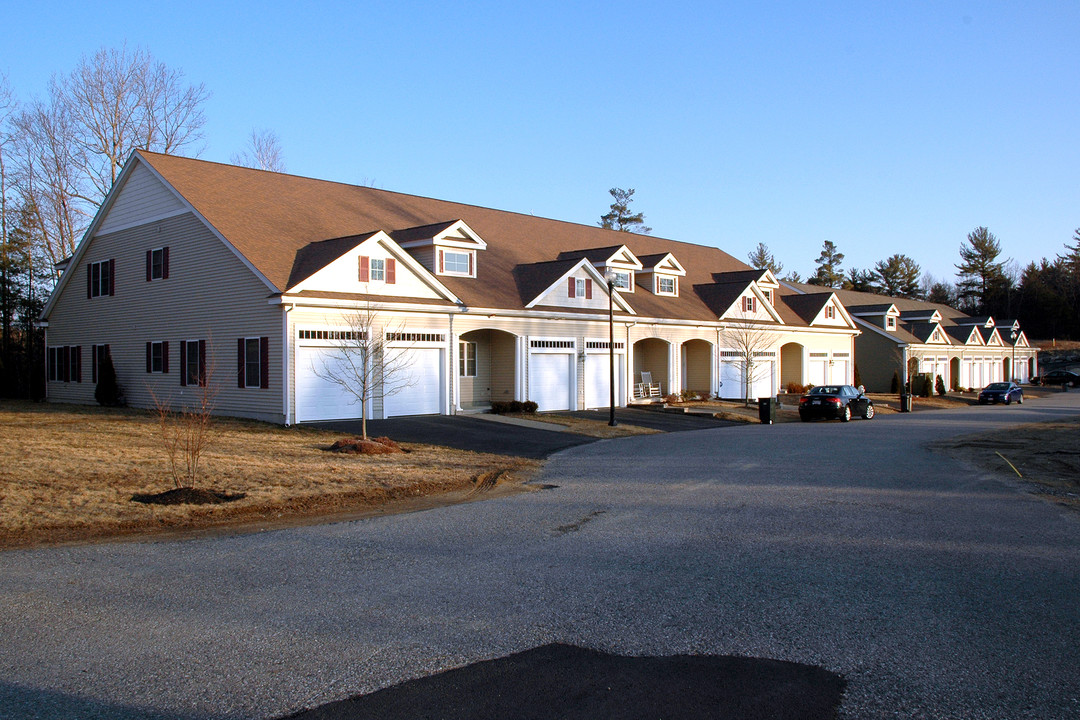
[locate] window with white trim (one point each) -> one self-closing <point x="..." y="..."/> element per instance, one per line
<point x="378" y="269"/>
<point x="579" y="287"/>
<point x="622" y="280"/>
<point x="890" y="323"/>
<point x="467" y="359"/>
<point x="100" y="279"/>
<point x="157" y="357"/>
<point x="768" y="296"/>
<point x="666" y="285"/>
<point x="457" y="262"/>
<point x="749" y="304"/>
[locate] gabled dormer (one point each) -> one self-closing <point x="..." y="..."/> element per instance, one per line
<point x="616" y="259"/>
<point x="369" y="264"/>
<point x="991" y="336"/>
<point x="574" y="284"/>
<point x="449" y="248"/>
<point x="747" y="302"/>
<point x="926" y="315"/>
<point x="769" y="286"/>
<point x="884" y="315"/>
<point x="983" y="321"/>
<point x="660" y="274"/>
<point x="966" y="334"/>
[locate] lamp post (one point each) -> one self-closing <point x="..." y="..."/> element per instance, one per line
<point x="1012" y="365"/>
<point x="609" y="277"/>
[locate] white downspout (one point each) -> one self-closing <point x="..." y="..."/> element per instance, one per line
<point x="286" y="351"/>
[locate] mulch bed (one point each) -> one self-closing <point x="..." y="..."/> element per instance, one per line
<point x="371" y="446"/>
<point x="186" y="496"/>
<point x="572" y="683"/>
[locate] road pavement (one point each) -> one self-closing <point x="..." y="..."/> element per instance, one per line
<point x="936" y="589"/>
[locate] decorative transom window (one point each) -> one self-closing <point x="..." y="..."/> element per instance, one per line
<point x="665" y="285"/>
<point x="467" y="359"/>
<point x="457" y="262"/>
<point x="378" y="269"/>
<point x="890" y="323"/>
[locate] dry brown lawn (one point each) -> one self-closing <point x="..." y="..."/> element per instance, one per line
<point x="67" y="473"/>
<point x="1045" y="455"/>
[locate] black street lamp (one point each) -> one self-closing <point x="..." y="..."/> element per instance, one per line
<point x="1012" y="365"/>
<point x="609" y="276"/>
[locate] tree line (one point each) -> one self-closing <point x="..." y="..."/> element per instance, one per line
<point x="60" y="155"/>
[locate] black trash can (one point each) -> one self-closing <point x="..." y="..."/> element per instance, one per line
<point x="905" y="402"/>
<point x="766" y="410"/>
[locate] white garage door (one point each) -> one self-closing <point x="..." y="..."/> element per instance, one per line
<point x="763" y="375"/>
<point x="598" y="380"/>
<point x="549" y="380"/>
<point x="422" y="369"/>
<point x="316" y="397"/>
<point x="839" y="375"/>
<point x="816" y="376"/>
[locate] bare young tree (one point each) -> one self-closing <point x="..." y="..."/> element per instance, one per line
<point x="749" y="341"/>
<point x="7" y="110"/>
<point x="367" y="358"/>
<point x="263" y="152"/>
<point x="185" y="433"/>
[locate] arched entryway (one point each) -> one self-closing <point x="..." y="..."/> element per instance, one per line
<point x="791" y="365"/>
<point x="651" y="357"/>
<point x="1006" y="366"/>
<point x="955" y="382"/>
<point x="486" y="362"/>
<point x="697" y="363"/>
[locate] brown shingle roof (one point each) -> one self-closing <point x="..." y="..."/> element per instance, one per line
<point x="281" y="223"/>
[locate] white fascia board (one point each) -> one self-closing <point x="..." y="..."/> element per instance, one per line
<point x="668" y="257"/>
<point x="627" y="264"/>
<point x="191" y="208"/>
<point x="84" y="242"/>
<point x="975" y="334"/>
<point x="768" y="279"/>
<point x="475" y="242"/>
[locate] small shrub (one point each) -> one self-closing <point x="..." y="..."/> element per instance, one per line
<point x="500" y="407"/>
<point x="529" y="407"/>
<point x="939" y="386"/>
<point x="107" y="391"/>
<point x="956" y="385"/>
<point x="795" y="388"/>
<point x="670" y="399"/>
<point x="895" y="386"/>
<point x="515" y="406"/>
<point x="926" y="386"/>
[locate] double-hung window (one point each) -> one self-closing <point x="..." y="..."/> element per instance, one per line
<point x="192" y="362"/>
<point x="378" y="269"/>
<point x="467" y="359"/>
<point x="253" y="362"/>
<point x="157" y="357"/>
<point x="157" y="264"/>
<point x="100" y="277"/>
<point x="621" y="280"/>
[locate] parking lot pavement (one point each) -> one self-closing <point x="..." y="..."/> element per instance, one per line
<point x="464" y="432"/>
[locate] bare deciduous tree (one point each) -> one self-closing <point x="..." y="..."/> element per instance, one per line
<point x="185" y="433"/>
<point x="262" y="153"/>
<point x="749" y="341"/>
<point x="367" y="357"/>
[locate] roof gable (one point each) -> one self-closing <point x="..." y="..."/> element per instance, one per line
<point x="455" y="233"/>
<point x="617" y="256"/>
<point x="555" y="279"/>
<point x="662" y="264"/>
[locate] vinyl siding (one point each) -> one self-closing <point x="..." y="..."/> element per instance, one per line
<point x="143" y="197"/>
<point x="210" y="295"/>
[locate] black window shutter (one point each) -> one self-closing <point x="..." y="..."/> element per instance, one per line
<point x="165" y="263"/>
<point x="183" y="362"/>
<point x="264" y="362"/>
<point x="202" y="362"/>
<point x="149" y="265"/>
<point x="149" y="358"/>
<point x="112" y="277"/>
<point x="93" y="363"/>
<point x="65" y="364"/>
<point x="240" y="362"/>
<point x="165" y="357"/>
<point x="78" y="363"/>
<point x="89" y="281"/>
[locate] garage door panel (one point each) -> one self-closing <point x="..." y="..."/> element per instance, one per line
<point x="598" y="380"/>
<point x="319" y="398"/>
<point x="415" y="382"/>
<point x="549" y="380"/>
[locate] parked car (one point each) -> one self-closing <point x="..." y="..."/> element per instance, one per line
<point x="835" y="401"/>
<point x="1001" y="392"/>
<point x="1060" y="377"/>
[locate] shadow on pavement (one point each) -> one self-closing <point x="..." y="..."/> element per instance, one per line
<point x="567" y="682"/>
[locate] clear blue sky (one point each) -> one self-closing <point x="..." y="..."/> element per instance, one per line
<point x="884" y="127"/>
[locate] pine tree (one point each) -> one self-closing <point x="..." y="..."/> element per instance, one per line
<point x="859" y="281"/>
<point x="620" y="218"/>
<point x="828" y="271"/>
<point x="899" y="276"/>
<point x="979" y="272"/>
<point x="941" y="293"/>
<point x="761" y="259"/>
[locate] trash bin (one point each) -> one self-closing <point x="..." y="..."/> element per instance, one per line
<point x="766" y="410"/>
<point x="905" y="402"/>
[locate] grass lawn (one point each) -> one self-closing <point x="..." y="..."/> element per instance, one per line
<point x="67" y="473"/>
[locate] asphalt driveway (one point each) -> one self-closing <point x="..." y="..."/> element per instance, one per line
<point x="932" y="588"/>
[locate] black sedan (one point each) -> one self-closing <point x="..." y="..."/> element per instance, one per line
<point x="1001" y="392"/>
<point x="1060" y="377"/>
<point x="835" y="401"/>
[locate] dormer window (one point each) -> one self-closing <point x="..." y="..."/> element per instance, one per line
<point x="455" y="262"/>
<point x="622" y="280"/>
<point x="768" y="296"/>
<point x="890" y="323"/>
<point x="666" y="285"/>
